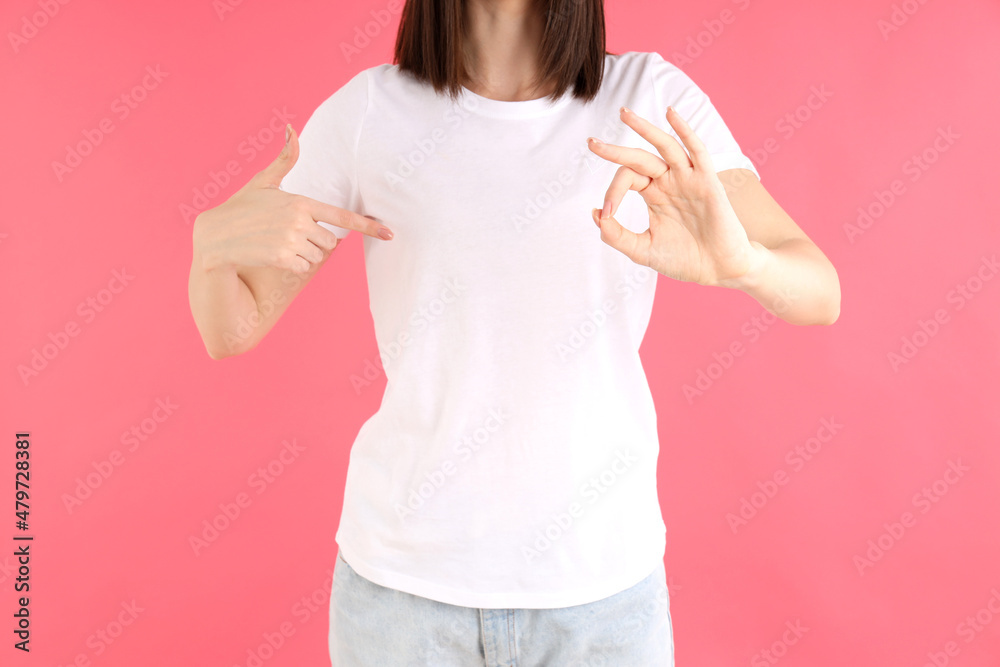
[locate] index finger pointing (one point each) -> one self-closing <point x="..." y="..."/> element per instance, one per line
<point x="341" y="217"/>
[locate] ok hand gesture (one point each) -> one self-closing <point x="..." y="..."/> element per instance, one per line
<point x="694" y="234"/>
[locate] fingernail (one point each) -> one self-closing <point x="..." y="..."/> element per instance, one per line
<point x="385" y="233"/>
<point x="625" y="110"/>
<point x="606" y="211"/>
<point x="596" y="214"/>
<point x="288" y="133"/>
<point x="595" y="140"/>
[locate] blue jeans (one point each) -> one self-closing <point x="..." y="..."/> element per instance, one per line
<point x="378" y="626"/>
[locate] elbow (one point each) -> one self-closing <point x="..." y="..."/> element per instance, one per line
<point x="223" y="353"/>
<point x="825" y="309"/>
<point x="217" y="351"/>
<point x="829" y="312"/>
<point x="832" y="315"/>
<point x="832" y="311"/>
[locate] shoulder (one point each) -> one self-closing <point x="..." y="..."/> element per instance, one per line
<point x="633" y="62"/>
<point x="645" y="73"/>
<point x="360" y="84"/>
<point x="391" y="77"/>
<point x="646" y="67"/>
<point x="346" y="93"/>
<point x="351" y="95"/>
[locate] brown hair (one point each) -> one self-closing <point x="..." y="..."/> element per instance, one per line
<point x="430" y="45"/>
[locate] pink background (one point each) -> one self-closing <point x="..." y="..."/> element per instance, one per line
<point x="734" y="592"/>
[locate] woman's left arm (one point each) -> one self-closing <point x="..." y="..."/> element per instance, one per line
<point x="793" y="278"/>
<point x="720" y="229"/>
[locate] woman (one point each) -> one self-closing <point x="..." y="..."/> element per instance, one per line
<point x="501" y="505"/>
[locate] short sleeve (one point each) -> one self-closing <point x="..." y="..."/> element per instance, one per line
<point x="327" y="168"/>
<point x="676" y="89"/>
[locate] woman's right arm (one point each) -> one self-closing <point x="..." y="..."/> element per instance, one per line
<point x="255" y="252"/>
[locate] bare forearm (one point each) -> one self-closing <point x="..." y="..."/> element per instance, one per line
<point x="794" y="281"/>
<point x="219" y="300"/>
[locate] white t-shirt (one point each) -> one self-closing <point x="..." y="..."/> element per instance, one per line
<point x="512" y="461"/>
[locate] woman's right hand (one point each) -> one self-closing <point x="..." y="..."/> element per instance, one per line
<point x="261" y="225"/>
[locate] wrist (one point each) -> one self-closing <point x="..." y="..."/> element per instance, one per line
<point x="760" y="258"/>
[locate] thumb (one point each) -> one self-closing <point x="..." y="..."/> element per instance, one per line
<point x="632" y="245"/>
<point x="272" y="174"/>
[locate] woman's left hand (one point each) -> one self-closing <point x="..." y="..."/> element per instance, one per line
<point x="694" y="234"/>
